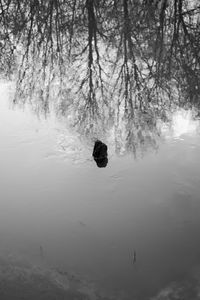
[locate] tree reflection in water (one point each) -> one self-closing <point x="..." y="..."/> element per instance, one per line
<point x="115" y="68"/>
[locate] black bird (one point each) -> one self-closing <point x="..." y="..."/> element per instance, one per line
<point x="100" y="154"/>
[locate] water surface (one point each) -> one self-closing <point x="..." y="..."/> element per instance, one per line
<point x="132" y="228"/>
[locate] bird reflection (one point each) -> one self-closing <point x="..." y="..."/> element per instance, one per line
<point x="100" y="154"/>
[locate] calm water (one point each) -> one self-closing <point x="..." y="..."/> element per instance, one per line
<point x="92" y="221"/>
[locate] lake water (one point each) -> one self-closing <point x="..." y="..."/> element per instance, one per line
<point x="131" y="228"/>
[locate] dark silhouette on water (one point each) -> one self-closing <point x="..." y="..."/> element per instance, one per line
<point x="100" y="154"/>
